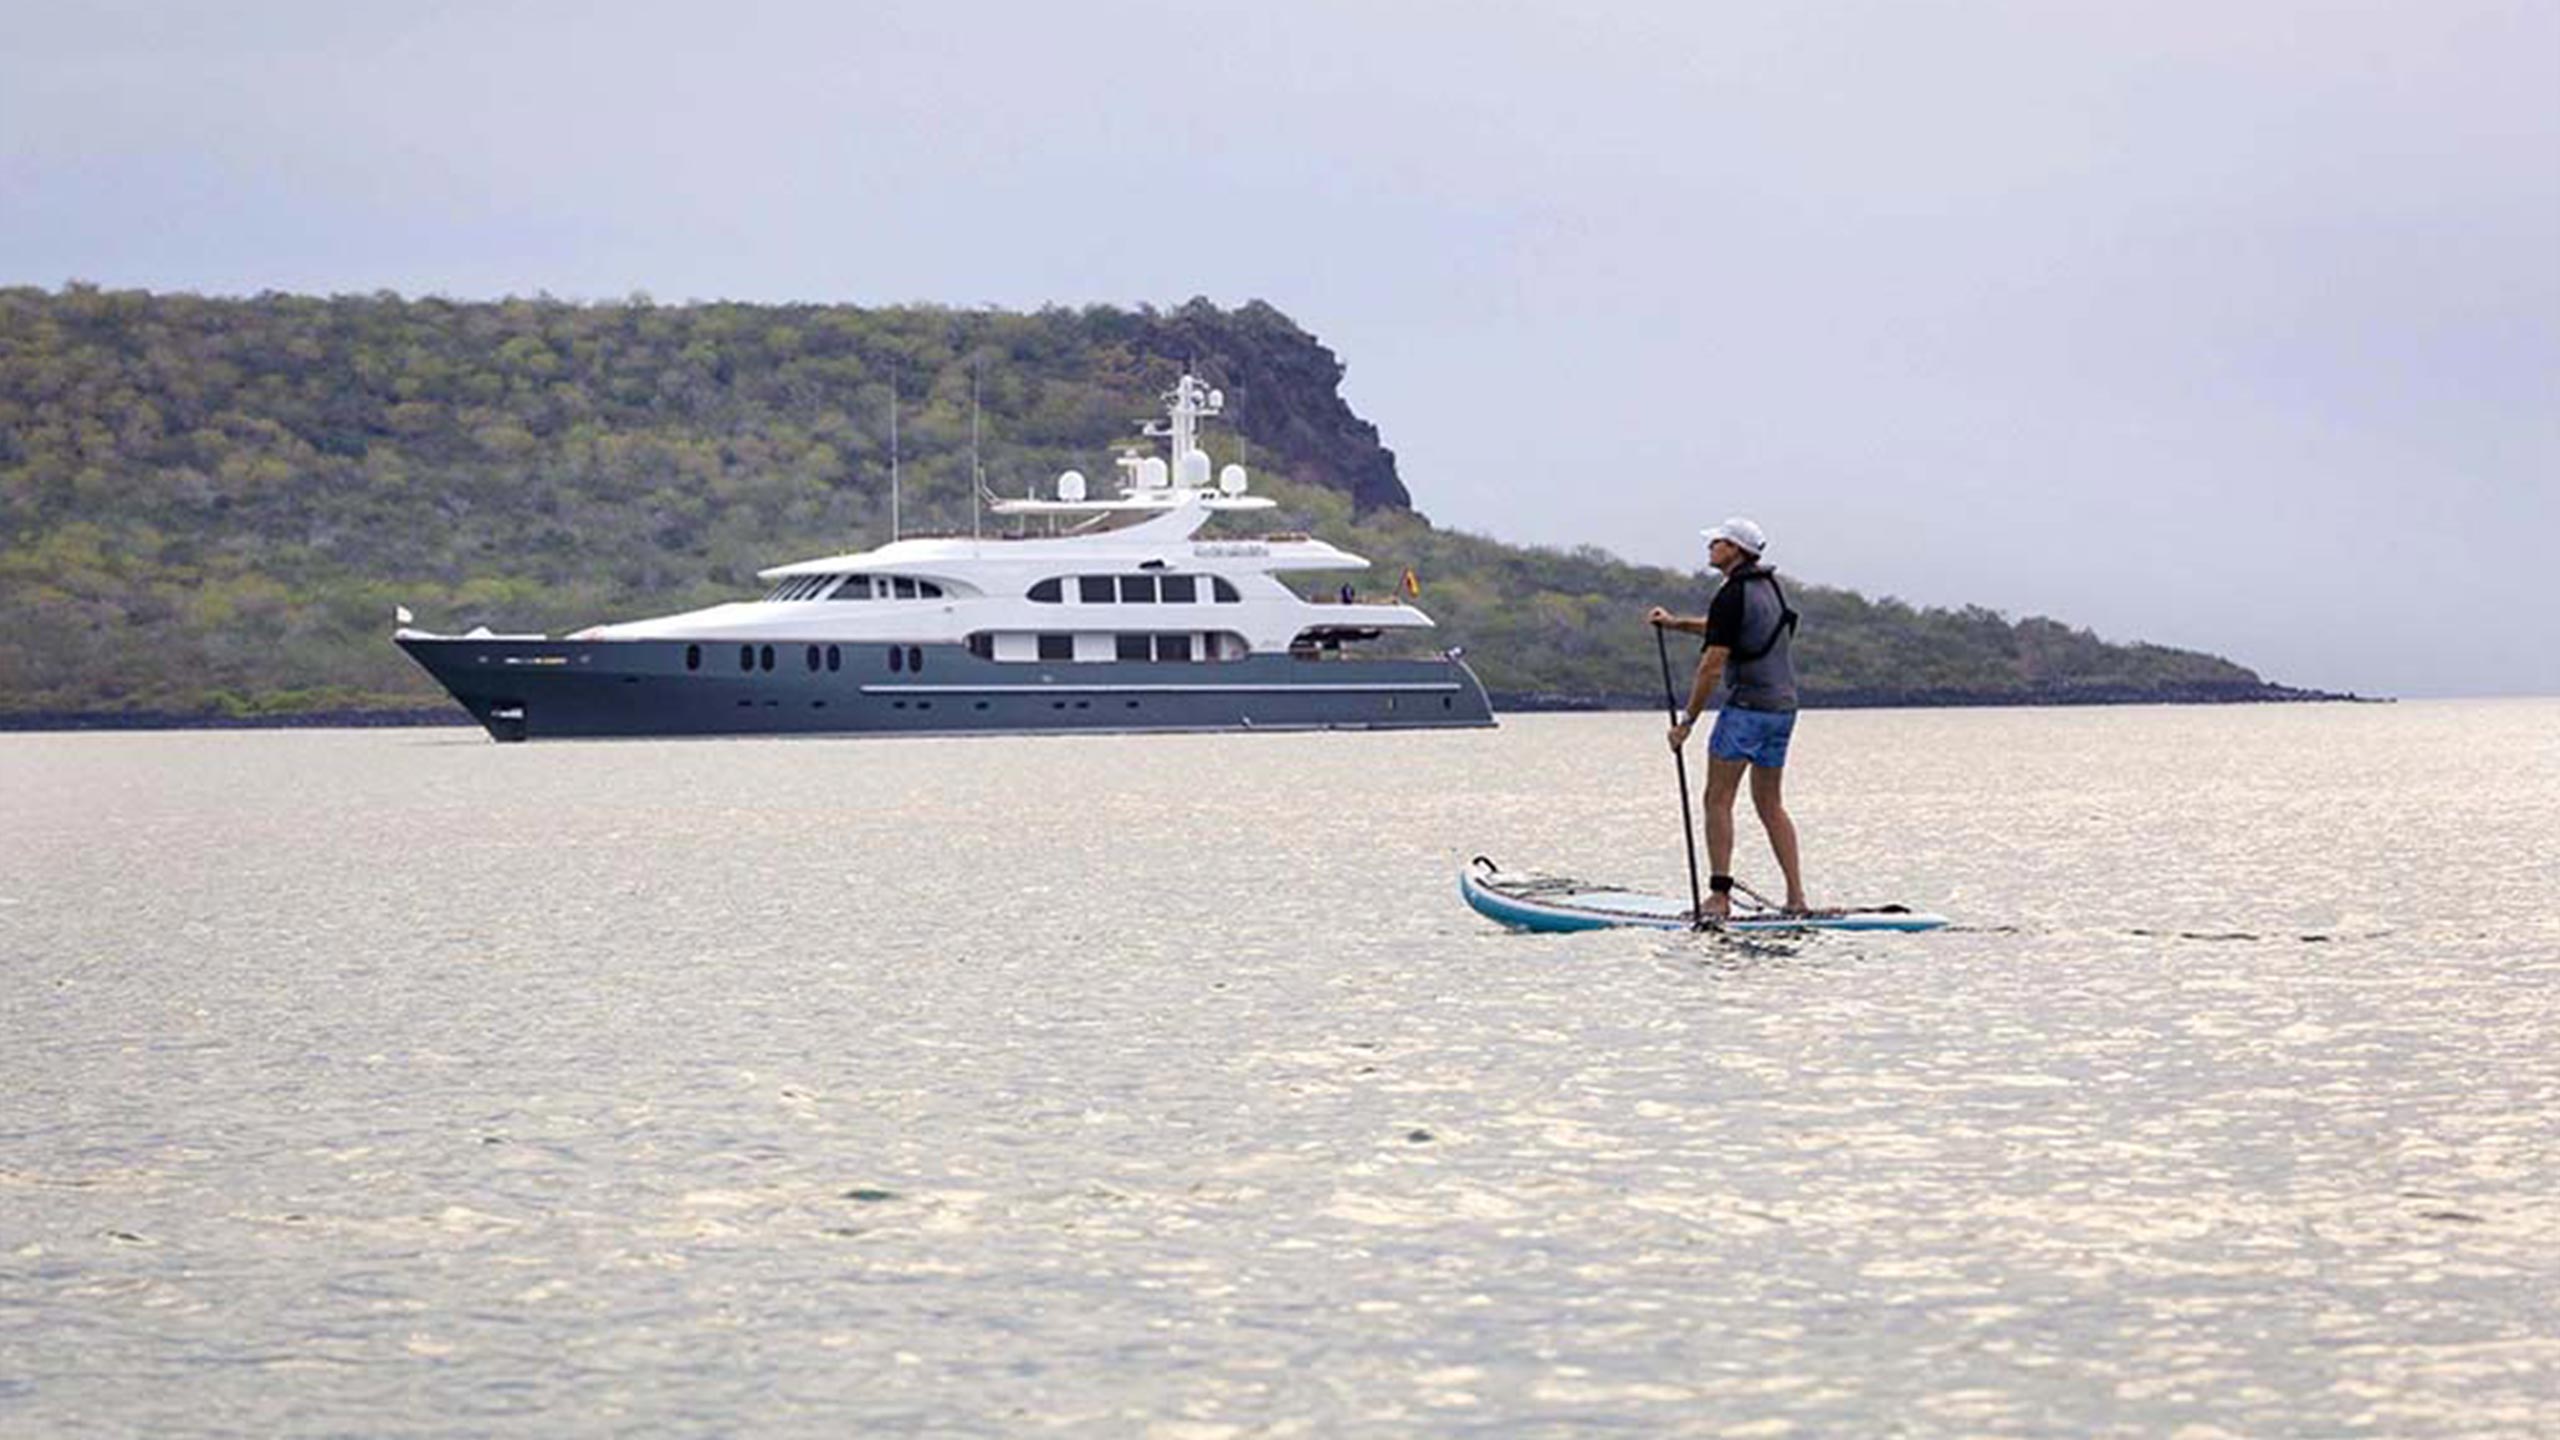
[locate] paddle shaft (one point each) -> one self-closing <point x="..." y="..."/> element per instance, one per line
<point x="1680" y="767"/>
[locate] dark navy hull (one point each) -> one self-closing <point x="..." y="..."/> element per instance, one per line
<point x="559" y="689"/>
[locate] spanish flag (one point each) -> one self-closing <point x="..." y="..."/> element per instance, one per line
<point x="1412" y="583"/>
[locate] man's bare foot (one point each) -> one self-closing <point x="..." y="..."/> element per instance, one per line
<point x="1715" y="910"/>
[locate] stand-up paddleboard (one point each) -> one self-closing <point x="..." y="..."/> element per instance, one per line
<point x="1554" y="903"/>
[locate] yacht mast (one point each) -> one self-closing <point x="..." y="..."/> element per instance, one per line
<point x="893" y="454"/>
<point x="977" y="476"/>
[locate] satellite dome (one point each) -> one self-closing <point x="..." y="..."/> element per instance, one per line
<point x="1231" y="480"/>
<point x="1071" y="486"/>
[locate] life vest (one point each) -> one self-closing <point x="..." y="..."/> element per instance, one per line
<point x="1787" y="616"/>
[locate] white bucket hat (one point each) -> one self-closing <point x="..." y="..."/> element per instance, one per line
<point x="1741" y="531"/>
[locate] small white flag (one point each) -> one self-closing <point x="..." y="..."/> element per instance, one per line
<point x="401" y="614"/>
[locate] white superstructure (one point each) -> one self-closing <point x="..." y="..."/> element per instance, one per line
<point x="1148" y="573"/>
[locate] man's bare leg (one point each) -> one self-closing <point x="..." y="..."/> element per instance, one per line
<point x="1766" y="797"/>
<point x="1724" y="781"/>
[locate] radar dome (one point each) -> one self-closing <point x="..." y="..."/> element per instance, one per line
<point x="1231" y="480"/>
<point x="1195" y="470"/>
<point x="1153" y="473"/>
<point x="1071" y="486"/>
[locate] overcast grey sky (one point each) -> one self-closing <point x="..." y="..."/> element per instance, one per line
<point x="2233" y="325"/>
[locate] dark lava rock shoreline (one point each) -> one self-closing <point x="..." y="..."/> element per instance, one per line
<point x="1511" y="704"/>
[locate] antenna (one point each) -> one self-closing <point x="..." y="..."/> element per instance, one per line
<point x="893" y="454"/>
<point x="977" y="476"/>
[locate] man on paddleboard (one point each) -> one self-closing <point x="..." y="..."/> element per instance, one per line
<point x="1747" y="631"/>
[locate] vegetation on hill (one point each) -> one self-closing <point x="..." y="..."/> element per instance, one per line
<point x="211" y="506"/>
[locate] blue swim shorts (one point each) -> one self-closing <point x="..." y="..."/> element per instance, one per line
<point x="1759" y="736"/>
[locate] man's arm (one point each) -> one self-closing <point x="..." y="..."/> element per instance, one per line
<point x="1710" y="670"/>
<point x="1685" y="624"/>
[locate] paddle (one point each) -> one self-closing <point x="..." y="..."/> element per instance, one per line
<point x="1680" y="767"/>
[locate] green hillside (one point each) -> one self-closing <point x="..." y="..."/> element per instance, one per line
<point x="209" y="507"/>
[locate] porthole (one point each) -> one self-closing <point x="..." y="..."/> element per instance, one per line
<point x="835" y="658"/>
<point x="813" y="658"/>
<point x="746" y="658"/>
<point x="915" y="659"/>
<point x="897" y="658"/>
<point x="979" y="705"/>
<point x="693" y="657"/>
<point x="764" y="658"/>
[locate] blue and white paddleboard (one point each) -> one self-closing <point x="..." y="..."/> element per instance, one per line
<point x="1553" y="903"/>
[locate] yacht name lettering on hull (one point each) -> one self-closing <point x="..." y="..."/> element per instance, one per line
<point x="1232" y="547"/>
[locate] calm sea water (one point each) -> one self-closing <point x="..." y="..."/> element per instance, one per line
<point x="400" y="1083"/>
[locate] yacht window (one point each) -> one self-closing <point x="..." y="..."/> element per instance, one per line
<point x="1181" y="589"/>
<point x="1226" y="593"/>
<point x="835" y="658"/>
<point x="693" y="657"/>
<point x="1094" y="589"/>
<point x="1057" y="647"/>
<point x="746" y="657"/>
<point x="813" y="659"/>
<point x="1137" y="589"/>
<point x="915" y="659"/>
<point x="855" y="587"/>
<point x="764" y="657"/>
<point x="983" y="645"/>
<point x="1173" y="647"/>
<point x="1132" y="647"/>
<point x="897" y="658"/>
<point x="906" y="587"/>
<point x="1046" y="592"/>
<point x="928" y="590"/>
